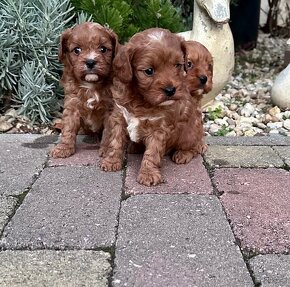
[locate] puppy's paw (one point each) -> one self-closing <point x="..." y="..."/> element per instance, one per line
<point x="182" y="157"/>
<point x="102" y="151"/>
<point x="150" y="177"/>
<point x="62" y="151"/>
<point x="111" y="164"/>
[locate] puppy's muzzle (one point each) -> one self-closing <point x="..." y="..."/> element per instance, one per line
<point x="203" y="79"/>
<point x="169" y="91"/>
<point x="90" y="63"/>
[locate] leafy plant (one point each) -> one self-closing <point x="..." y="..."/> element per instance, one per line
<point x="34" y="95"/>
<point x="29" y="36"/>
<point x="128" y="17"/>
<point x="214" y="114"/>
<point x="223" y="131"/>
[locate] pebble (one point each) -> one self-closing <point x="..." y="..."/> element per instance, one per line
<point x="11" y="122"/>
<point x="214" y="128"/>
<point x="247" y="110"/>
<point x="274" y="111"/>
<point x="5" y="126"/>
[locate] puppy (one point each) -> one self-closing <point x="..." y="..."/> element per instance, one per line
<point x="199" y="69"/>
<point x="199" y="74"/>
<point x="87" y="52"/>
<point x="153" y="106"/>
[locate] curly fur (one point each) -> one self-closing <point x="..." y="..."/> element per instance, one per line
<point x="87" y="52"/>
<point x="199" y="69"/>
<point x="153" y="105"/>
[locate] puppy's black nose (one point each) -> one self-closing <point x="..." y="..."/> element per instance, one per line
<point x="90" y="63"/>
<point x="203" y="79"/>
<point x="169" y="91"/>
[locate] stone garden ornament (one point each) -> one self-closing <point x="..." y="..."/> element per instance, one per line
<point x="211" y="28"/>
<point x="280" y="94"/>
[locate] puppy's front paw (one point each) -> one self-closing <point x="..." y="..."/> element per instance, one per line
<point x="62" y="150"/>
<point x="182" y="157"/>
<point x="102" y="151"/>
<point x="111" y="164"/>
<point x="150" y="177"/>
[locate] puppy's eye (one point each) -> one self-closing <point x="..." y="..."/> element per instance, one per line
<point x="178" y="66"/>
<point x="103" y="49"/>
<point x="189" y="65"/>
<point x="210" y="67"/>
<point x="149" y="71"/>
<point x="77" y="50"/>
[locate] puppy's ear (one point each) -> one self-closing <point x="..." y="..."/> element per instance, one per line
<point x="122" y="64"/>
<point x="184" y="50"/>
<point x="63" y="48"/>
<point x="115" y="41"/>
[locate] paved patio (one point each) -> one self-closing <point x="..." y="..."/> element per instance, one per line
<point x="221" y="220"/>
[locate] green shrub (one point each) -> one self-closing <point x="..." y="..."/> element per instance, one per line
<point x="130" y="16"/>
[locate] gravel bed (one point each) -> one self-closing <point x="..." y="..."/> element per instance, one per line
<point x="243" y="108"/>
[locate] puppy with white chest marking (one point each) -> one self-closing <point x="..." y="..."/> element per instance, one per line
<point x="153" y="105"/>
<point x="87" y="52"/>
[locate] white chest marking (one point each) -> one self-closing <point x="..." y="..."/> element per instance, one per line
<point x="87" y="85"/>
<point x="93" y="101"/>
<point x="133" y="128"/>
<point x="132" y="123"/>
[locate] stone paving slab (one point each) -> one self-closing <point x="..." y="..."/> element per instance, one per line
<point x="86" y="154"/>
<point x="28" y="138"/>
<point x="183" y="178"/>
<point x="19" y="165"/>
<point x="7" y="207"/>
<point x="284" y="153"/>
<point x="176" y="240"/>
<point x="242" y="156"/>
<point x="257" y="203"/>
<point x="249" y="141"/>
<point x="68" y="207"/>
<point x="271" y="270"/>
<point x="54" y="268"/>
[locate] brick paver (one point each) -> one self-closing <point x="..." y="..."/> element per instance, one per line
<point x="54" y="268"/>
<point x="271" y="270"/>
<point x="242" y="156"/>
<point x="257" y="203"/>
<point x="184" y="178"/>
<point x="176" y="240"/>
<point x="86" y="154"/>
<point x="7" y="207"/>
<point x="284" y="152"/>
<point x="68" y="207"/>
<point x="19" y="165"/>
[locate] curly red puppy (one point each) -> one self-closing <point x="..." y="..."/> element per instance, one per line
<point x="153" y="105"/>
<point x="199" y="69"/>
<point x="199" y="74"/>
<point x="87" y="52"/>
